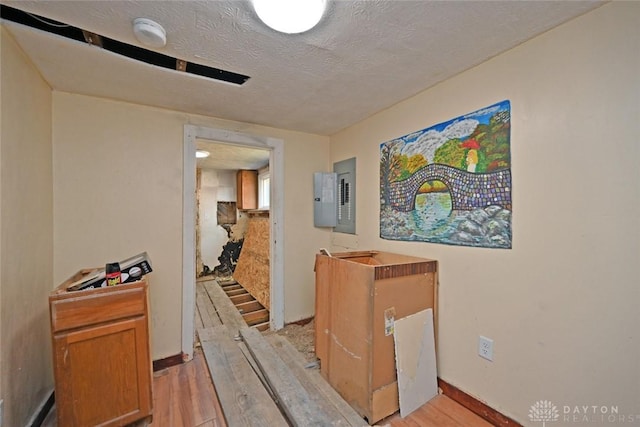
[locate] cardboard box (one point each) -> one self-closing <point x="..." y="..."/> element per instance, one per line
<point x="358" y="297"/>
<point x="131" y="270"/>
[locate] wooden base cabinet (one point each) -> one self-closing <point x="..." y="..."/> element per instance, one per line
<point x="101" y="357"/>
<point x="358" y="296"/>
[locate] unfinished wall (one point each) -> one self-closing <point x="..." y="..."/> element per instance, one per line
<point x="216" y="186"/>
<point x="562" y="305"/>
<point x="118" y="187"/>
<point x="26" y="233"/>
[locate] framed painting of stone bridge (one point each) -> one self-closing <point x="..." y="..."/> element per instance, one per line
<point x="450" y="183"/>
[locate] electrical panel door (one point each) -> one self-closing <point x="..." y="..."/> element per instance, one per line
<point x="325" y="208"/>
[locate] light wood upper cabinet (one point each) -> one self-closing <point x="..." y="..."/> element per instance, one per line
<point x="247" y="189"/>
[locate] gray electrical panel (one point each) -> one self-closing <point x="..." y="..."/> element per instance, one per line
<point x="346" y="171"/>
<point x="325" y="199"/>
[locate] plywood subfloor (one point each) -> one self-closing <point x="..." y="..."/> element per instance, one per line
<point x="252" y="270"/>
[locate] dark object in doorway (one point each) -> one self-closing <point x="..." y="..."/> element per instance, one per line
<point x="205" y="270"/>
<point x="229" y="258"/>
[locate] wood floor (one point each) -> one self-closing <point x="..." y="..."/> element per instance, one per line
<point x="185" y="396"/>
<point x="439" y="411"/>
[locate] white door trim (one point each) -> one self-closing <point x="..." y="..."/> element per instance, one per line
<point x="276" y="216"/>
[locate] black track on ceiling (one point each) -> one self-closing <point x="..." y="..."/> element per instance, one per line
<point x="124" y="49"/>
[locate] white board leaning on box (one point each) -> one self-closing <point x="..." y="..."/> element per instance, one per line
<point x="415" y="360"/>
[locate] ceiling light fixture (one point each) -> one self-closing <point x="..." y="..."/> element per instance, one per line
<point x="290" y="16"/>
<point x="202" y="154"/>
<point x="149" y="32"/>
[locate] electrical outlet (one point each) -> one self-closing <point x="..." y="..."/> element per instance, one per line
<point x="485" y="348"/>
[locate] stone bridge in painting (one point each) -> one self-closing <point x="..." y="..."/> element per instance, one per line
<point x="468" y="190"/>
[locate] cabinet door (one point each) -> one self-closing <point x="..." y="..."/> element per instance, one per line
<point x="247" y="186"/>
<point x="103" y="374"/>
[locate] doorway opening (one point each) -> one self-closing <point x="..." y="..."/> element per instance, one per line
<point x="227" y="204"/>
<point x="196" y="137"/>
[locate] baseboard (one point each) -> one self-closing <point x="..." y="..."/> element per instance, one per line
<point x="167" y="362"/>
<point x="42" y="412"/>
<point x="474" y="405"/>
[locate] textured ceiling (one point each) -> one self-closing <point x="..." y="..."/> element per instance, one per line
<point x="231" y="157"/>
<point x="363" y="57"/>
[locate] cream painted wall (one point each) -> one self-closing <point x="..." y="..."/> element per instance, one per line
<point x="118" y="191"/>
<point x="562" y="305"/>
<point x="26" y="235"/>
